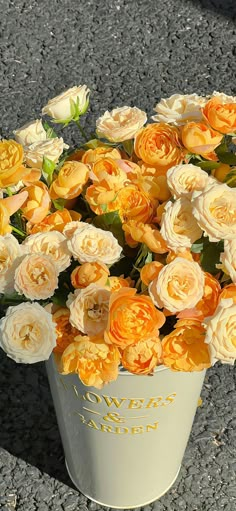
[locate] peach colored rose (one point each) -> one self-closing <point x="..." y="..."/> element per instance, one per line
<point x="121" y="123"/>
<point x="37" y="204"/>
<point x="154" y="185"/>
<point x="159" y="145"/>
<point x="101" y="198"/>
<point x="116" y="283"/>
<point x="184" y="348"/>
<point x="107" y="169"/>
<point x="132" y="317"/>
<point x="10" y="256"/>
<point x="91" y="244"/>
<point x="89" y="309"/>
<point x="92" y="155"/>
<point x="179" y="285"/>
<point x="95" y="362"/>
<point x="31" y="132"/>
<point x="12" y="169"/>
<point x="70" y="180"/>
<point x="146" y="233"/>
<point x="27" y="333"/>
<point x="228" y="292"/>
<point x="199" y="138"/>
<point x="89" y="273"/>
<point x="51" y="243"/>
<point x="60" y="107"/>
<point x="215" y="211"/>
<point x="228" y="258"/>
<point x="208" y="303"/>
<point x="185" y="179"/>
<point x="53" y="222"/>
<point x="135" y="205"/>
<point x="186" y="254"/>
<point x="36" y="277"/>
<point x="71" y="227"/>
<point x="220" y="114"/>
<point x="179" y="228"/>
<point x="52" y="148"/>
<point x="8" y="207"/>
<point x="65" y="332"/>
<point x="150" y="272"/>
<point x="143" y="357"/>
<point x="179" y="109"/>
<point x="220" y="332"/>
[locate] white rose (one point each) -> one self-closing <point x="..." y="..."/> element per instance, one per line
<point x="36" y="277"/>
<point x="30" y="133"/>
<point x="228" y="259"/>
<point x="224" y="97"/>
<point x="51" y="148"/>
<point x="178" y="226"/>
<point x="89" y="308"/>
<point x="221" y="332"/>
<point x="215" y="211"/>
<point x="179" y="285"/>
<point x="121" y="123"/>
<point x="51" y="243"/>
<point x="27" y="333"/>
<point x="179" y="109"/>
<point x="59" y="108"/>
<point x="71" y="227"/>
<point x="185" y="179"/>
<point x="10" y="257"/>
<point x="91" y="244"/>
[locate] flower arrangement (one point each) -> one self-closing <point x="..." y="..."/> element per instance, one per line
<point x="121" y="251"/>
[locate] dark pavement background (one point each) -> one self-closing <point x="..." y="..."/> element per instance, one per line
<point x="128" y="52"/>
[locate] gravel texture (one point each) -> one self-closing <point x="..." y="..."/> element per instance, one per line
<point x="128" y="52"/>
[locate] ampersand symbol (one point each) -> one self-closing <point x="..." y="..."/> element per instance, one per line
<point x="113" y="417"/>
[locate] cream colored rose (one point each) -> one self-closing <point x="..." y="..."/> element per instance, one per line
<point x="178" y="226"/>
<point x="179" y="109"/>
<point x="71" y="227"/>
<point x="185" y="179"/>
<point x="51" y="148"/>
<point x="224" y="98"/>
<point x="10" y="257"/>
<point x="36" y="277"/>
<point x="121" y="123"/>
<point x="228" y="259"/>
<point x="30" y="133"/>
<point x="215" y="211"/>
<point x="179" y="285"/>
<point x="89" y="309"/>
<point x="91" y="244"/>
<point x="221" y="332"/>
<point x="59" y="108"/>
<point x="27" y="333"/>
<point x="51" y="243"/>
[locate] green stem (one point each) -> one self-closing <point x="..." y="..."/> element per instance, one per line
<point x="82" y="131"/>
<point x="18" y="231"/>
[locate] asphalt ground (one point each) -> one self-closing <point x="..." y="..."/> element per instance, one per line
<point x="128" y="52"/>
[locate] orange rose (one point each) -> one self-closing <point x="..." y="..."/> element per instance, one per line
<point x="208" y="303"/>
<point x="131" y="318"/>
<point x="92" y="155"/>
<point x="143" y="357"/>
<point x="37" y="204"/>
<point x="89" y="273"/>
<point x="107" y="169"/>
<point x="150" y="272"/>
<point x="135" y="204"/>
<point x="65" y="331"/>
<point x="221" y="116"/>
<point x="92" y="359"/>
<point x="228" y="292"/>
<point x="101" y="198"/>
<point x="198" y="138"/>
<point x="221" y="172"/>
<point x="8" y="207"/>
<point x="186" y="254"/>
<point x="116" y="283"/>
<point x="53" y="222"/>
<point x="145" y="233"/>
<point x="159" y="145"/>
<point x="12" y="169"/>
<point x="184" y="349"/>
<point x="70" y="180"/>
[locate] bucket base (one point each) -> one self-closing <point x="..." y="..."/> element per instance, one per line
<point x="139" y="504"/>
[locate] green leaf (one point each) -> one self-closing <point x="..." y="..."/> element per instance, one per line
<point x="48" y="169"/>
<point x="59" y="204"/>
<point x="49" y="130"/>
<point x="224" y="155"/>
<point x="208" y="166"/>
<point x="198" y="245"/>
<point x="111" y="222"/>
<point x="230" y="178"/>
<point x="211" y="256"/>
<point x="128" y="146"/>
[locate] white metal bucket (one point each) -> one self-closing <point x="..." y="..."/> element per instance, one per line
<point x="124" y="444"/>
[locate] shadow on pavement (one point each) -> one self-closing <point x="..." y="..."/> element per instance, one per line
<point x="225" y="7"/>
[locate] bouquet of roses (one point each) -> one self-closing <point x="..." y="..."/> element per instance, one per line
<point x="121" y="251"/>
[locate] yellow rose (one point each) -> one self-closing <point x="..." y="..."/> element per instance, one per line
<point x="215" y="211"/>
<point x="65" y="332"/>
<point x="179" y="285"/>
<point x="150" y="271"/>
<point x="159" y="145"/>
<point x="199" y="138"/>
<point x="121" y="123"/>
<point x="102" y="151"/>
<point x="179" y="228"/>
<point x="89" y="309"/>
<point x="59" y="108"/>
<point x="30" y="133"/>
<point x="179" y="109"/>
<point x="8" y="207"/>
<point x="12" y="169"/>
<point x="220" y="332"/>
<point x="38" y="202"/>
<point x="146" y="233"/>
<point x="220" y="114"/>
<point x="36" y="277"/>
<point x="70" y="180"/>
